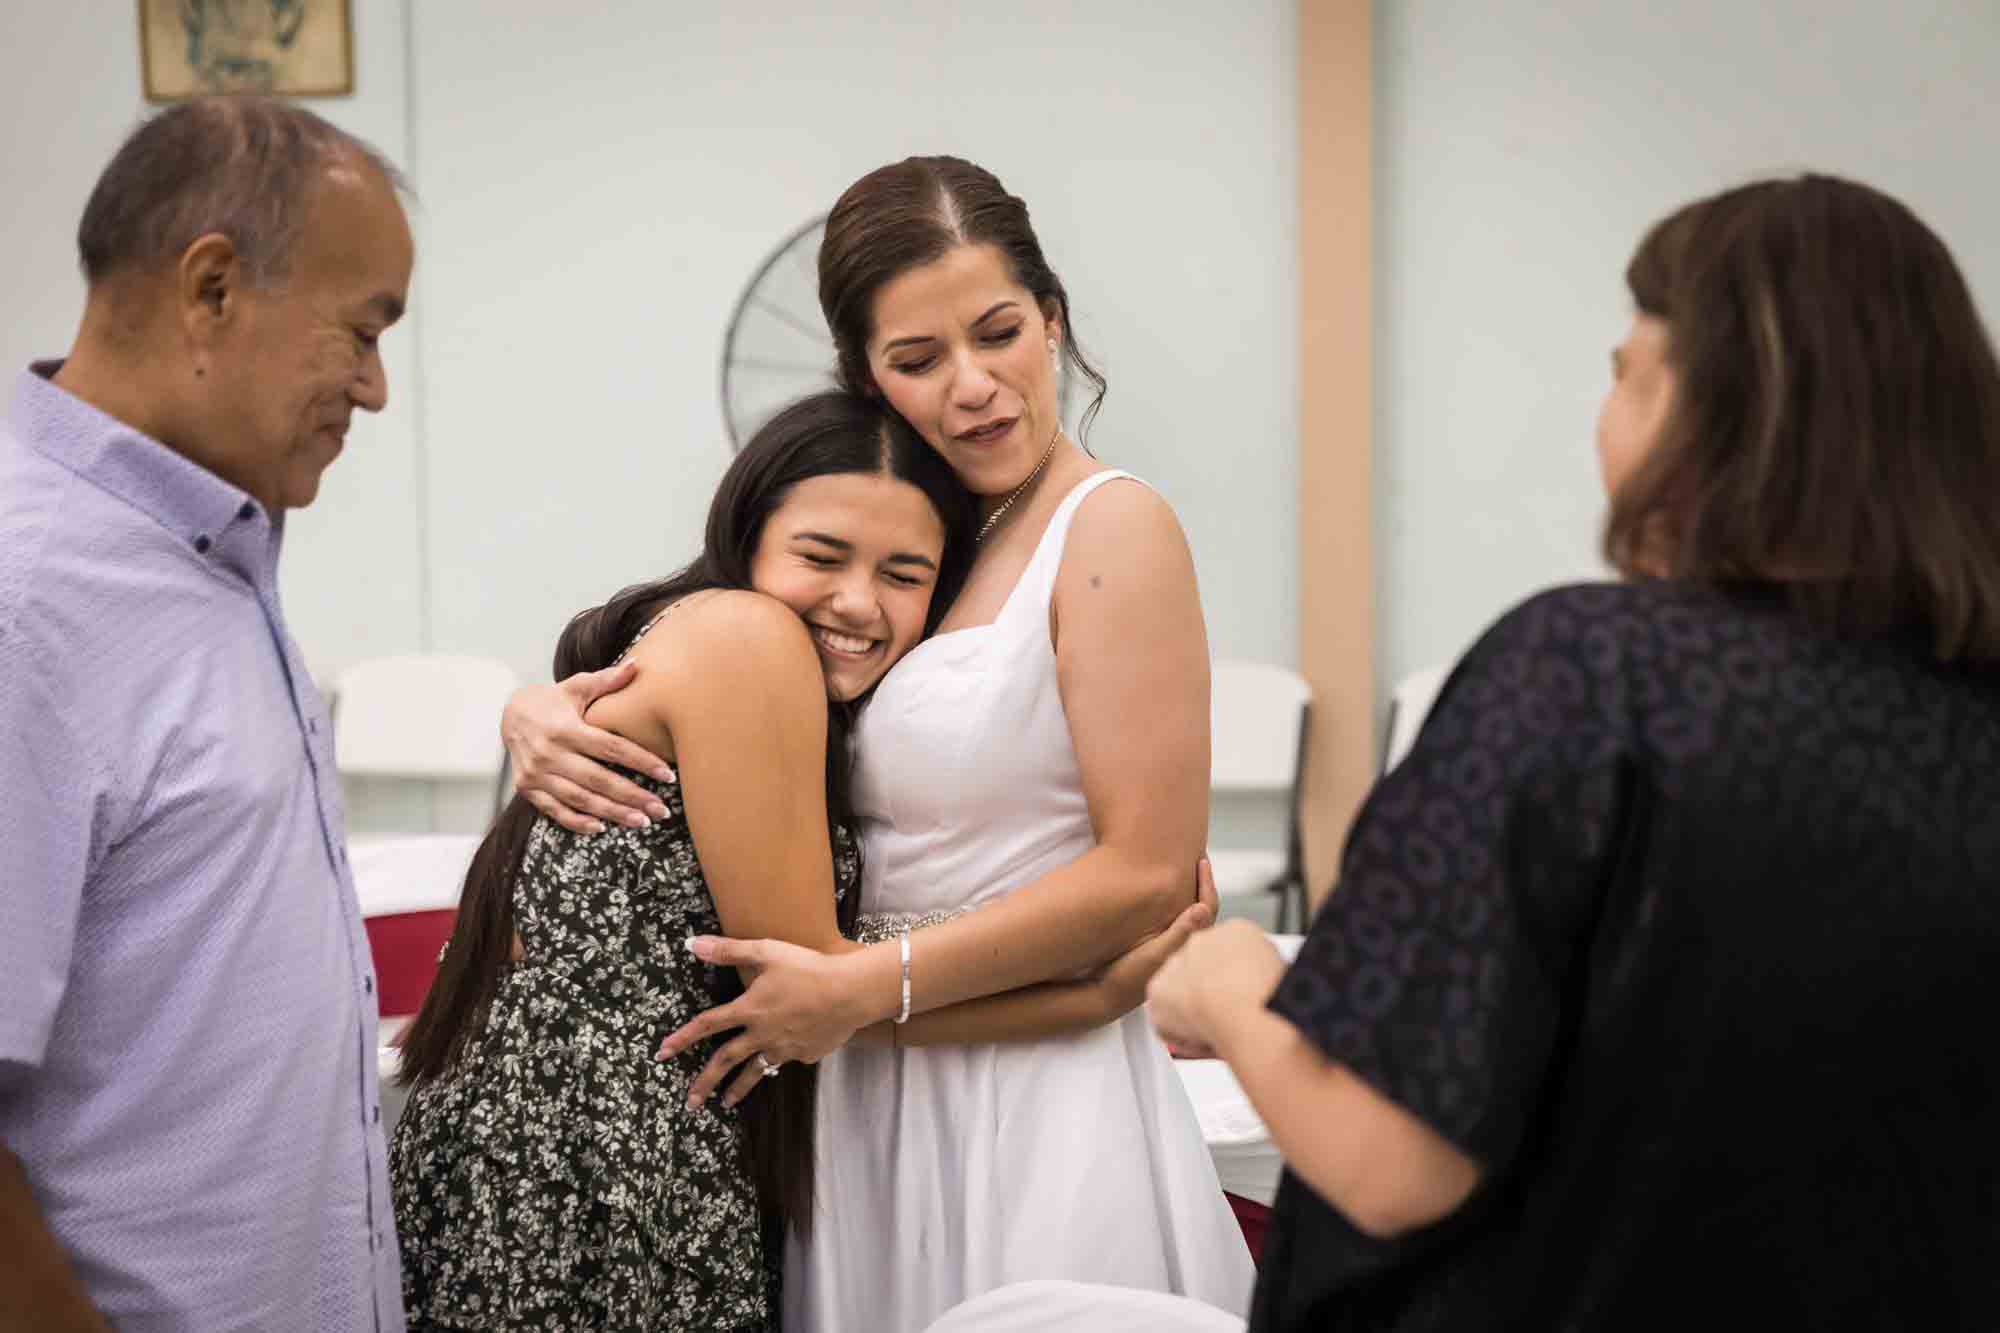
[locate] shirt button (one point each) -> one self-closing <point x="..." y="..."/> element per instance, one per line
<point x="375" y="1115"/>
<point x="202" y="543"/>
<point x="247" y="511"/>
<point x="368" y="984"/>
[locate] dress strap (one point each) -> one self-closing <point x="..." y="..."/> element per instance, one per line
<point x="643" y="631"/>
<point x="1038" y="580"/>
<point x="658" y="616"/>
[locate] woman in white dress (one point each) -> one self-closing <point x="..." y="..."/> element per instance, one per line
<point x="1043" y="760"/>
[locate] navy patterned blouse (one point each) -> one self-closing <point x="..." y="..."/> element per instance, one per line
<point x="1683" y="919"/>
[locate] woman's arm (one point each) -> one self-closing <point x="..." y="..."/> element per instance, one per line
<point x="1132" y="666"/>
<point x="730" y="685"/>
<point x="1059" y="1008"/>
<point x="1047" y="1009"/>
<point x="1387" y="1171"/>
<point x="1055" y="1008"/>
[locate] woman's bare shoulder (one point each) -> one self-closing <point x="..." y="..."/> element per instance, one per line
<point x="722" y="639"/>
<point x="1124" y="524"/>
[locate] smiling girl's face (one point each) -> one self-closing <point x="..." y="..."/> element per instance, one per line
<point x="856" y="555"/>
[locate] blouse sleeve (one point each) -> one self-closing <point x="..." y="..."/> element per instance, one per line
<point x="1438" y="968"/>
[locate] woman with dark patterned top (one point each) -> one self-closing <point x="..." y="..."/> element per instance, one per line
<point x="548" y="1171"/>
<point x="1658" y="988"/>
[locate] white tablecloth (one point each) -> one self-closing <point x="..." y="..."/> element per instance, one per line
<point x="387" y="1060"/>
<point x="417" y="872"/>
<point x="1245" y="1157"/>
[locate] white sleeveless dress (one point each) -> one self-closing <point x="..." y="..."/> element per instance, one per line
<point x="945" y="1172"/>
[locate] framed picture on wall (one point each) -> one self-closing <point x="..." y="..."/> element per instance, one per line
<point x="295" y="48"/>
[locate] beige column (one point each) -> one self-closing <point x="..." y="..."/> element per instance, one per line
<point x="1336" y="565"/>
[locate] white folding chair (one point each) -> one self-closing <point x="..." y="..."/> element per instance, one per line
<point x="1409" y="704"/>
<point x="1258" y="714"/>
<point x="430" y="718"/>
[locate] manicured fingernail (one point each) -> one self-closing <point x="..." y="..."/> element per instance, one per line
<point x="665" y="774"/>
<point x="700" y="946"/>
<point x="729" y="1103"/>
<point x="657" y="810"/>
<point x="595" y="827"/>
<point x="694" y="1102"/>
<point x="637" y="820"/>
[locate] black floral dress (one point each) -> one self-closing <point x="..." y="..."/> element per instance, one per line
<point x="554" y="1177"/>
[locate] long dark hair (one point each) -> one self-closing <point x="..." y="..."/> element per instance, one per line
<point x="826" y="434"/>
<point x="1835" y="426"/>
<point x="910" y="213"/>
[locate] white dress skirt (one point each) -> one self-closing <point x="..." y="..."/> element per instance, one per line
<point x="946" y="1172"/>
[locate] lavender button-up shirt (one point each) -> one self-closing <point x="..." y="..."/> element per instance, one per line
<point x="187" y="1003"/>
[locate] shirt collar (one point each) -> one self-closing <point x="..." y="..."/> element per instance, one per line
<point x="219" y="522"/>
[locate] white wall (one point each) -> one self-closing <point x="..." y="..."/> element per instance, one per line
<point x="600" y="182"/>
<point x="1522" y="151"/>
<point x="596" y="184"/>
<point x="72" y="90"/>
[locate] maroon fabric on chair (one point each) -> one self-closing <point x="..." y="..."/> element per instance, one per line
<point x="1253" y="1217"/>
<point x="406" y="946"/>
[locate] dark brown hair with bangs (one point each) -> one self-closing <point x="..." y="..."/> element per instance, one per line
<point x="1835" y="429"/>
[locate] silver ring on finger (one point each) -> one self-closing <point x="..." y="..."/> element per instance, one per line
<point x="768" y="1069"/>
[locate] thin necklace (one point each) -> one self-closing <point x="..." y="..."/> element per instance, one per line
<point x="1008" y="503"/>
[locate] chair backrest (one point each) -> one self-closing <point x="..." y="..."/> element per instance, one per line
<point x="1409" y="704"/>
<point x="1255" y="713"/>
<point x="428" y="716"/>
<point x="408" y="888"/>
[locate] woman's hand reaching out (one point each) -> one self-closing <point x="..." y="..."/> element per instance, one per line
<point x="1202" y="990"/>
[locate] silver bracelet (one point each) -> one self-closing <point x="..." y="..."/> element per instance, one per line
<point x="904" y="1015"/>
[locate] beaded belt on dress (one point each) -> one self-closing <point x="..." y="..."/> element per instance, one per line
<point x="874" y="927"/>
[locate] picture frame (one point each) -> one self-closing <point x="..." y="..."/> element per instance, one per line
<point x="288" y="48"/>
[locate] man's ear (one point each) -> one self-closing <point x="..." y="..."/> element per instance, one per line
<point x="208" y="286"/>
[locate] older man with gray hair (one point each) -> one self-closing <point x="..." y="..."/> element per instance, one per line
<point x="190" y="1129"/>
